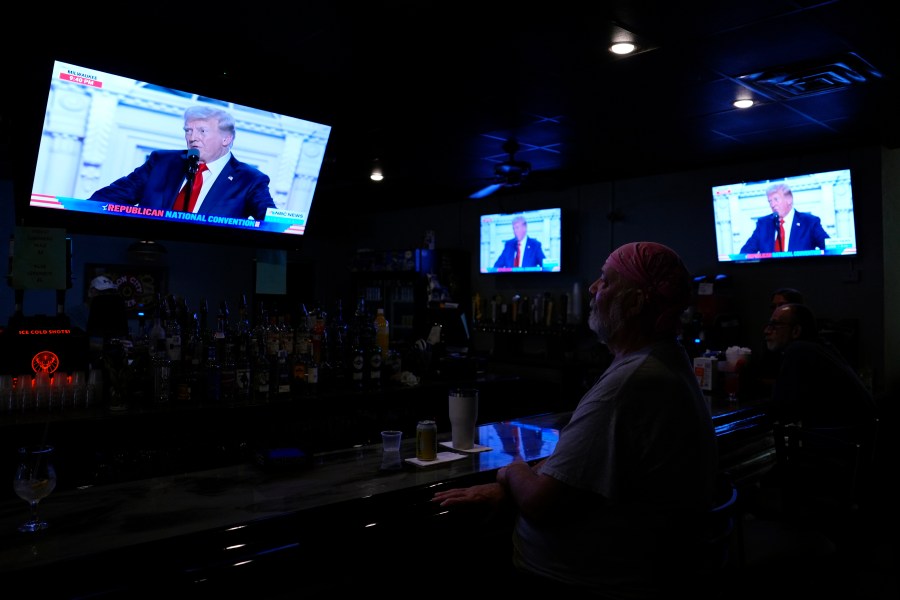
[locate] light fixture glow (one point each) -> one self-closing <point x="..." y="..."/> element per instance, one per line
<point x="376" y="173"/>
<point x="743" y="103"/>
<point x="622" y="48"/>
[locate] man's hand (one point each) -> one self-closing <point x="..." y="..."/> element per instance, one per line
<point x="491" y="494"/>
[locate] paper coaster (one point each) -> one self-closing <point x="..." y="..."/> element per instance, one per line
<point x="472" y="450"/>
<point x="442" y="457"/>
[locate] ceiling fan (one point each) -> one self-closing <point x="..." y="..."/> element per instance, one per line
<point x="508" y="173"/>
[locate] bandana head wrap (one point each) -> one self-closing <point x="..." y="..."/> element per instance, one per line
<point x="660" y="273"/>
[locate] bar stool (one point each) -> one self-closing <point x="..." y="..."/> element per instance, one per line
<point x="701" y="563"/>
<point x="798" y="537"/>
<point x="721" y="536"/>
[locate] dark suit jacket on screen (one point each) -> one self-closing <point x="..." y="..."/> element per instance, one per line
<point x="240" y="191"/>
<point x="532" y="254"/>
<point x="807" y="233"/>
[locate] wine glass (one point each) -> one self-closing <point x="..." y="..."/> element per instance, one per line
<point x="35" y="479"/>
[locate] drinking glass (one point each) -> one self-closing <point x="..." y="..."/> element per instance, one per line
<point x="390" y="459"/>
<point x="35" y="479"/>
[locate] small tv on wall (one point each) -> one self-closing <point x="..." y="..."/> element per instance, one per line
<point x="540" y="232"/>
<point x="800" y="216"/>
<point x="114" y="149"/>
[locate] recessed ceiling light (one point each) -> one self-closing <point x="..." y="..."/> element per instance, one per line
<point x="622" y="48"/>
<point x="743" y="103"/>
<point x="376" y="174"/>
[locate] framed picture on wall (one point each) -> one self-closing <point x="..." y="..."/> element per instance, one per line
<point x="138" y="284"/>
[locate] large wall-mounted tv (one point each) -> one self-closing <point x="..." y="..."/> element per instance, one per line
<point x="102" y="130"/>
<point x="800" y="216"/>
<point x="540" y="252"/>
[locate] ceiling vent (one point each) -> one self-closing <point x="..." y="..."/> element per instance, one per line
<point x="810" y="79"/>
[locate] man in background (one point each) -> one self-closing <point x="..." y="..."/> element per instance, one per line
<point x="764" y="366"/>
<point x="229" y="187"/>
<point x="820" y="399"/>
<point x="815" y="384"/>
<point x="785" y="230"/>
<point x="521" y="250"/>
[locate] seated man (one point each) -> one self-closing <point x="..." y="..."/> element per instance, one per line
<point x="815" y="385"/>
<point x="821" y="400"/>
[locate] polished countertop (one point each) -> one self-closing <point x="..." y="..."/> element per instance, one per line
<point x="107" y="518"/>
<point x="115" y="539"/>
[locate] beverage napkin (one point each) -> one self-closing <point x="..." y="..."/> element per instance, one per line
<point x="472" y="450"/>
<point x="442" y="457"/>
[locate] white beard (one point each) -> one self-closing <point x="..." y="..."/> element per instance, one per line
<point x="598" y="326"/>
<point x="609" y="327"/>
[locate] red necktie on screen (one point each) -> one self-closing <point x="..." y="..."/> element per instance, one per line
<point x="518" y="254"/>
<point x="779" y="241"/>
<point x="195" y="190"/>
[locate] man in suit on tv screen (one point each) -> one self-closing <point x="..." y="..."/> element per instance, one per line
<point x="230" y="188"/>
<point x="792" y="229"/>
<point x="526" y="250"/>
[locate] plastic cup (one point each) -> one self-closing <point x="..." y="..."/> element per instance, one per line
<point x="391" y="440"/>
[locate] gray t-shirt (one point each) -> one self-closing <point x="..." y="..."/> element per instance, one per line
<point x="640" y="451"/>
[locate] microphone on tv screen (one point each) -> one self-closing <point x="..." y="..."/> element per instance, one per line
<point x="193" y="161"/>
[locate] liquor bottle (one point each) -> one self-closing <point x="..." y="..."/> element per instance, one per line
<point x="286" y="333"/>
<point x="187" y="375"/>
<point x="302" y="355"/>
<point x="285" y="356"/>
<point x="338" y="350"/>
<point x="222" y="335"/>
<point x="302" y="332"/>
<point x="157" y="330"/>
<point x="319" y="338"/>
<point x="213" y="373"/>
<point x="173" y="330"/>
<point x="316" y="362"/>
<point x="362" y="337"/>
<point x="206" y="334"/>
<point x="280" y="378"/>
<point x="200" y="354"/>
<point x="374" y="363"/>
<point x="185" y="319"/>
<point x="313" y="374"/>
<point x="382" y="334"/>
<point x="228" y="376"/>
<point x="142" y="339"/>
<point x="223" y="357"/>
<point x="357" y="363"/>
<point x="262" y="369"/>
<point x="162" y="378"/>
<point x="361" y="326"/>
<point x="243" y="356"/>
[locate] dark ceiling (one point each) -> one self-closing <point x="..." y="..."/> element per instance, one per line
<point x="434" y="92"/>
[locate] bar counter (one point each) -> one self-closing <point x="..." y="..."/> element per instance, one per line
<point x="208" y="531"/>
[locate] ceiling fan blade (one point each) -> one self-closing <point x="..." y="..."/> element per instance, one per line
<point x="486" y="191"/>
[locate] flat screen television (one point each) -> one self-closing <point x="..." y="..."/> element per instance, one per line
<point x="822" y="222"/>
<point x="99" y="127"/>
<point x="541" y="252"/>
